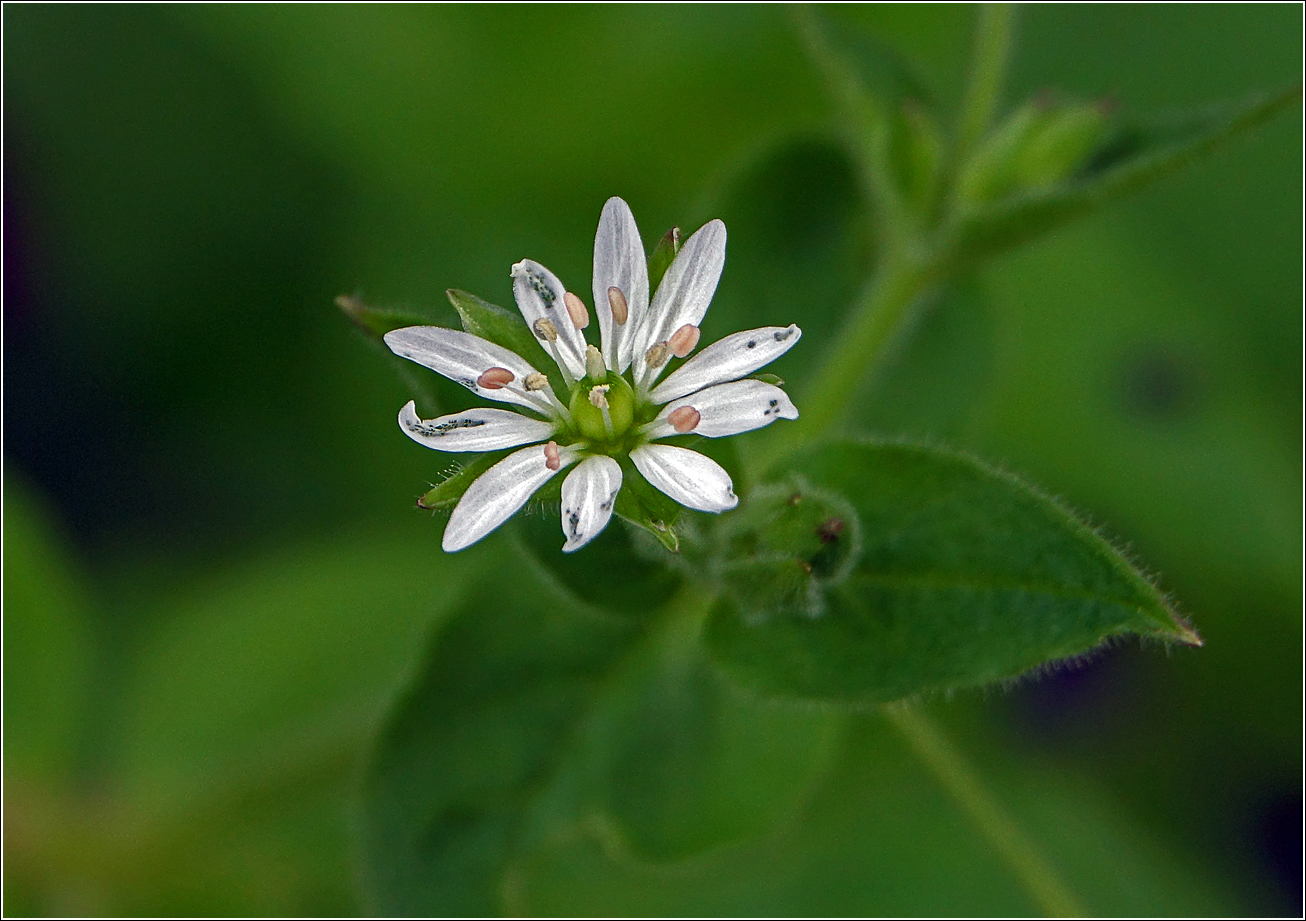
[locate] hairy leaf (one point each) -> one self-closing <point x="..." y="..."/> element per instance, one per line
<point x="965" y="575"/>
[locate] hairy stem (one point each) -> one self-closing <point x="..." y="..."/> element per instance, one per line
<point x="958" y="778"/>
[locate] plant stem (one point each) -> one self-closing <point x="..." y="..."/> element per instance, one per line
<point x="993" y="33"/>
<point x="878" y="312"/>
<point x="958" y="778"/>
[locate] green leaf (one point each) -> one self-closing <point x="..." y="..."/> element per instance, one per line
<point x="48" y="646"/>
<point x="612" y="571"/>
<point x="965" y="575"/>
<point x="661" y="258"/>
<point x="675" y="760"/>
<point x="475" y="737"/>
<point x="644" y="505"/>
<point x="1007" y="223"/>
<point x="279" y="666"/>
<point x="502" y="327"/>
<point x="536" y="715"/>
<point x="882" y="837"/>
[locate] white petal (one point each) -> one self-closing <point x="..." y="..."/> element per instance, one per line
<point x="480" y="429"/>
<point x="727" y="359"/>
<point x="539" y="297"/>
<point x="728" y="409"/>
<point x="619" y="261"/>
<point x="463" y="358"/>
<point x="588" y="494"/>
<point x="686" y="476"/>
<point x="498" y="493"/>
<point x="685" y="291"/>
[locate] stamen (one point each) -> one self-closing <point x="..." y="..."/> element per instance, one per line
<point x="551" y="458"/>
<point x="495" y="379"/>
<point x="536" y="381"/>
<point x="684" y="419"/>
<point x="684" y="340"/>
<point x="617" y="301"/>
<point x="594" y="366"/>
<point x="544" y="329"/>
<point x="657" y="355"/>
<point x="580" y="316"/>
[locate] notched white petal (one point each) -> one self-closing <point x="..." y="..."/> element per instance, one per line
<point x="692" y="479"/>
<point x="499" y="492"/>
<point x="726" y="409"/>
<point x="541" y="296"/>
<point x="727" y="359"/>
<point x="588" y="495"/>
<point x="465" y="359"/>
<point x="481" y="429"/>
<point x="686" y="289"/>
<point x="619" y="262"/>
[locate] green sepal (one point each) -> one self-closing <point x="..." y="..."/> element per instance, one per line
<point x="642" y="504"/>
<point x="445" y="495"/>
<point x="661" y="258"/>
<point x="375" y="322"/>
<point x="503" y="327"/>
<point x="773" y="379"/>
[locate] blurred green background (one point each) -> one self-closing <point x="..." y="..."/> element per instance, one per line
<point x="214" y="578"/>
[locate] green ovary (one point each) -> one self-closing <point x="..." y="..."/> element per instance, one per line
<point x="589" y="418"/>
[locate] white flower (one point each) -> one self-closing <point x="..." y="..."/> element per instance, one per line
<point x="611" y="410"/>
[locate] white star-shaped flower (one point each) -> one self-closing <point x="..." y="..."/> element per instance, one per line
<point x="612" y="407"/>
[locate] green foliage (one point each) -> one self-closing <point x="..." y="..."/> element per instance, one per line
<point x="190" y="681"/>
<point x="964" y="575"/>
<point x="875" y="832"/>
<point x="1137" y="159"/>
<point x="49" y="650"/>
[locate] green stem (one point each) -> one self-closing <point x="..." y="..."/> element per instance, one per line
<point x="992" y="51"/>
<point x="877" y="314"/>
<point x="957" y="777"/>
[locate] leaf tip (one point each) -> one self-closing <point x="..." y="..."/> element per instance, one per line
<point x="1187" y="635"/>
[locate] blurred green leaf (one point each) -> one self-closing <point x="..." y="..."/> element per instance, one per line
<point x="612" y="572"/>
<point x="474" y="739"/>
<point x="536" y="713"/>
<point x="675" y="760"/>
<point x="279" y="665"/>
<point x="966" y="575"/>
<point x="48" y="646"/>
<point x="987" y="230"/>
<point x="881" y="837"/>
<point x="505" y="328"/>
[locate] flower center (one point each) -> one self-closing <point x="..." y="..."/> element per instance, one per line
<point x="603" y="411"/>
